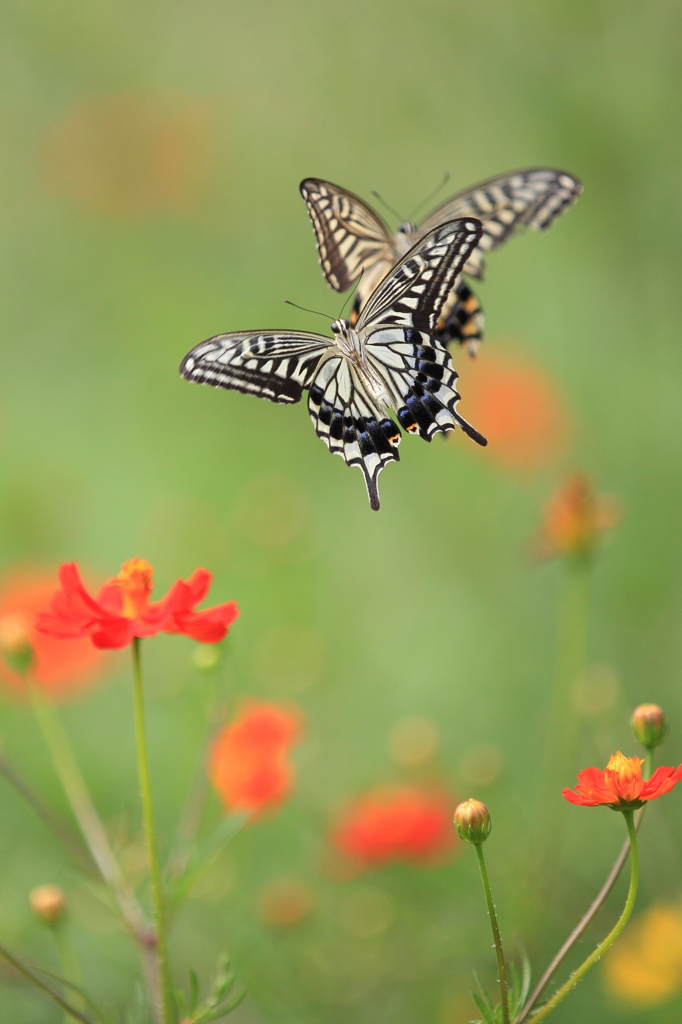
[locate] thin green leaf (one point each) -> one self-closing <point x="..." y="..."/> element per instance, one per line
<point x="484" y="995"/>
<point x="194" y="990"/>
<point x="488" y="1012"/>
<point x="205" y="853"/>
<point x="74" y="988"/>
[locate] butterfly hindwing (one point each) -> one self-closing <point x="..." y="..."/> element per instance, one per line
<point x="276" y="365"/>
<point x="419" y="371"/>
<point x="351" y="422"/>
<point x="350" y="235"/>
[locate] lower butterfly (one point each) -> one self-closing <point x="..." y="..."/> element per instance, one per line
<point x="388" y="363"/>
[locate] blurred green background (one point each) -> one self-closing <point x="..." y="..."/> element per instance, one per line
<point x="149" y="168"/>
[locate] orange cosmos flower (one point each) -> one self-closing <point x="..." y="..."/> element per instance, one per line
<point x="59" y="669"/>
<point x="621" y="786"/>
<point x="574" y="518"/>
<point x="123" y="610"/>
<point x="395" y="823"/>
<point x="518" y="408"/>
<point x="249" y="764"/>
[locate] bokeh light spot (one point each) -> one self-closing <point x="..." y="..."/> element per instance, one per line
<point x="413" y="740"/>
<point x="284" y="902"/>
<point x="481" y="764"/>
<point x="366" y="913"/>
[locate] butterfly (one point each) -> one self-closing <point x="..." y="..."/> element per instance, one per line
<point x="354" y="241"/>
<point x="387" y="363"/>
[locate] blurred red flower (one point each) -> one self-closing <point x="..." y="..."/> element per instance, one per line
<point x="60" y="669"/>
<point x="574" y="518"/>
<point x="621" y="786"/>
<point x="249" y="765"/>
<point x="517" y="406"/>
<point x="132" y="155"/>
<point x="395" y="823"/>
<point x="123" y="610"/>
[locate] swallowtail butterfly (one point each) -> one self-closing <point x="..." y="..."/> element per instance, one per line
<point x="388" y="363"/>
<point x="352" y="239"/>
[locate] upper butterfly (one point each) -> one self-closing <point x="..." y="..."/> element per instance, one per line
<point x="352" y="238"/>
<point x="388" y="362"/>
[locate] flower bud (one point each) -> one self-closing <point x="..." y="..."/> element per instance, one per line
<point x="15" y="644"/>
<point x="649" y="725"/>
<point x="472" y="822"/>
<point x="48" y="903"/>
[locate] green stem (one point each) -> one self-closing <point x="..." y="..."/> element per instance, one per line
<point x="613" y="934"/>
<point x="69" y="965"/>
<point x="496" y="933"/>
<point x="166" y="1006"/>
<point x="92" y="829"/>
<point x="594" y="908"/>
<point x="571" y="659"/>
<point x="72" y="1011"/>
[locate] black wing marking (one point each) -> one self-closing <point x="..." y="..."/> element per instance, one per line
<point x="462" y="319"/>
<point x="415" y="291"/>
<point x="350" y="235"/>
<point x="276" y="365"/>
<point x="419" y="373"/>
<point x="529" y="198"/>
<point x="351" y="423"/>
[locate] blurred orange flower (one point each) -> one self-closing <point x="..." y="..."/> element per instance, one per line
<point x="396" y="823"/>
<point x="249" y="764"/>
<point x="517" y="406"/>
<point x="621" y="785"/>
<point x="645" y="968"/>
<point x="574" y="518"/>
<point x="59" y="668"/>
<point x="131" y="155"/>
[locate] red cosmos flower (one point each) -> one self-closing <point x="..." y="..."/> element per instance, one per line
<point x="249" y="763"/>
<point x="123" y="610"/>
<point x="395" y="823"/>
<point x="59" y="669"/>
<point x="621" y="786"/>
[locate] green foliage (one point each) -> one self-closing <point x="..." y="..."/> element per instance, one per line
<point x="519" y="987"/>
<point x="219" y="1002"/>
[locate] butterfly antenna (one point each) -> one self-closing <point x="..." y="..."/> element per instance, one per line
<point x="306" y="310"/>
<point x="431" y="196"/>
<point x="384" y="203"/>
<point x="351" y="293"/>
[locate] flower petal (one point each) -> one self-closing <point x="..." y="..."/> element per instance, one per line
<point x="208" y="626"/>
<point x="199" y="583"/>
<point x="662" y="781"/>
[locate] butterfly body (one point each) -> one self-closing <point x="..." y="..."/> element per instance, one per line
<point x="354" y="241"/>
<point x="387" y="364"/>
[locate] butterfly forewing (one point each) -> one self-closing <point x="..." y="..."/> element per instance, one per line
<point x="531" y="198"/>
<point x="350" y="236"/>
<point x="276" y="365"/>
<point x="415" y="292"/>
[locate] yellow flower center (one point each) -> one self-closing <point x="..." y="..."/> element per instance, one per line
<point x="627" y="768"/>
<point x="135" y="581"/>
